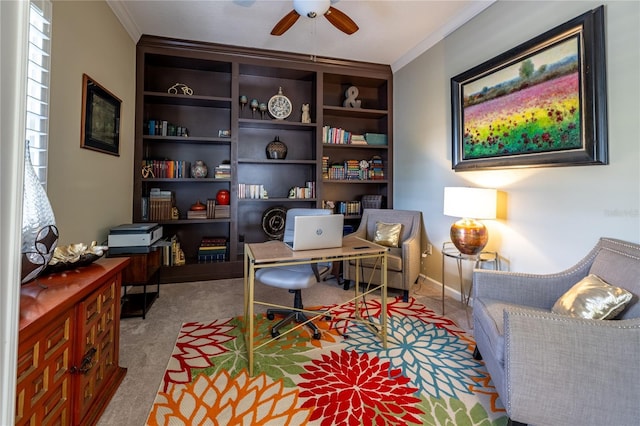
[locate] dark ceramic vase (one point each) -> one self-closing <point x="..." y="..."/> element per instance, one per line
<point x="276" y="150"/>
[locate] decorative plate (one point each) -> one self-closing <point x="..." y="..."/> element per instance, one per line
<point x="279" y="106"/>
<point x="273" y="220"/>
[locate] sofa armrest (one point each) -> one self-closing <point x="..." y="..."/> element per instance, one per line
<point x="411" y="259"/>
<point x="533" y="290"/>
<point x="581" y="371"/>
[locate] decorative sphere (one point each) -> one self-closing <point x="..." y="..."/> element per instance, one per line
<point x="223" y="197"/>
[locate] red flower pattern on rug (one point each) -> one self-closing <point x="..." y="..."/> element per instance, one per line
<point x="346" y="388"/>
<point x="196" y="345"/>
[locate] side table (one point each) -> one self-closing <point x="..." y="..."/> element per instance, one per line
<point x="143" y="270"/>
<point x="450" y="251"/>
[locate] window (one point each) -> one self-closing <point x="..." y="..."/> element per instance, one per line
<point x="38" y="77"/>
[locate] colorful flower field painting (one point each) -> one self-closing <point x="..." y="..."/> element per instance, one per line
<point x="529" y="107"/>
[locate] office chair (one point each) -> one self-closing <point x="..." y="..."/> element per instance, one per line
<point x="294" y="278"/>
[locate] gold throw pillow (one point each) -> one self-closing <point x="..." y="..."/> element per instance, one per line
<point x="592" y="298"/>
<point x="387" y="234"/>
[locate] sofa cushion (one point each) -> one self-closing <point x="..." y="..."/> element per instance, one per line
<point x="489" y="319"/>
<point x="620" y="270"/>
<point x="387" y="234"/>
<point x="592" y="298"/>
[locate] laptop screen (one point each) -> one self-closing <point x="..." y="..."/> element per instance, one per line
<point x="317" y="232"/>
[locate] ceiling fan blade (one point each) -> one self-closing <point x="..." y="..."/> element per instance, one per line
<point x="341" y="21"/>
<point x="285" y="23"/>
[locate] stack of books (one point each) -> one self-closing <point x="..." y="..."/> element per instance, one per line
<point x="160" y="204"/>
<point x="197" y="214"/>
<point x="325" y="167"/>
<point x="212" y="249"/>
<point x="376" y="168"/>
<point x="221" y="211"/>
<point x="222" y="171"/>
<point x="358" y="140"/>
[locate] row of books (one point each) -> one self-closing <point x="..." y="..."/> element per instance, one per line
<point x="251" y="191"/>
<point x="348" y="208"/>
<point x="212" y="249"/>
<point x="339" y="136"/>
<point x="167" y="168"/>
<point x="352" y="170"/>
<point x="160" y="205"/>
<point x="164" y="128"/>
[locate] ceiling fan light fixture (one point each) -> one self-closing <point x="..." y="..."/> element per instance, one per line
<point x="311" y="8"/>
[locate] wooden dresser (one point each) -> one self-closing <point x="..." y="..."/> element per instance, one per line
<point x="69" y="345"/>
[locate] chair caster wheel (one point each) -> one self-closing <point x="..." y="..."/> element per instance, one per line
<point x="270" y="317"/>
<point x="275" y="334"/>
<point x="317" y="335"/>
<point x="477" y="355"/>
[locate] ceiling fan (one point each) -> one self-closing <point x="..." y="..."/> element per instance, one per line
<point x="313" y="9"/>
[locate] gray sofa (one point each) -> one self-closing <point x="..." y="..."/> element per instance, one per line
<point x="403" y="262"/>
<point x="552" y="369"/>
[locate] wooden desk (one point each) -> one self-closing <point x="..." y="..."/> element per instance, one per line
<point x="276" y="253"/>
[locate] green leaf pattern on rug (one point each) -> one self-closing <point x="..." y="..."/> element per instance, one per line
<point x="452" y="412"/>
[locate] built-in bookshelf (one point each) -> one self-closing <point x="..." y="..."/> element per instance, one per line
<point x="188" y="109"/>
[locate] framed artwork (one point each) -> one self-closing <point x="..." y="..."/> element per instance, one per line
<point x="540" y="104"/>
<point x="100" y="118"/>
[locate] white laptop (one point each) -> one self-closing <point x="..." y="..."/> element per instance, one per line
<point x="317" y="232"/>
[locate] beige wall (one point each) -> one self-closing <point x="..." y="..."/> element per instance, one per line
<point x="554" y="215"/>
<point x="90" y="192"/>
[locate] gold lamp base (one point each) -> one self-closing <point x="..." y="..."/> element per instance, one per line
<point x="469" y="236"/>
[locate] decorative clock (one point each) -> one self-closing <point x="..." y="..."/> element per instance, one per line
<point x="279" y="106"/>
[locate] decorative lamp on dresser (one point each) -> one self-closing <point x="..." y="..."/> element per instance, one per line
<point x="68" y="349"/>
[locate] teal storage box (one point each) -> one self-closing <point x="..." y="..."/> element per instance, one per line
<point x="375" y="138"/>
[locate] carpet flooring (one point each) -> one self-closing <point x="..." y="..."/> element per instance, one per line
<point x="146" y="345"/>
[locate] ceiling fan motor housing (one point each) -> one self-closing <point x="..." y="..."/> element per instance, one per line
<point x="311" y="8"/>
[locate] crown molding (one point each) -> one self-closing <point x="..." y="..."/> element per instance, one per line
<point x="122" y="13"/>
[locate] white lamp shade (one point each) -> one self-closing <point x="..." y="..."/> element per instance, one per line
<point x="311" y="8"/>
<point x="473" y="203"/>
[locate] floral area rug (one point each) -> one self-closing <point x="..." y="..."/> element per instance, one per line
<point x="426" y="376"/>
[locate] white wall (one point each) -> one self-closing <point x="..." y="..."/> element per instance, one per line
<point x="553" y="215"/>
<point x="90" y="192"/>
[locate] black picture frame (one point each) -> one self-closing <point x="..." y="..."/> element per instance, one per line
<point x="100" y="127"/>
<point x="552" y="115"/>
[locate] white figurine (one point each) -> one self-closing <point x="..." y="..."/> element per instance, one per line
<point x="306" y="116"/>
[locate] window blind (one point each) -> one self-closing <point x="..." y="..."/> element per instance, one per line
<point x="38" y="80"/>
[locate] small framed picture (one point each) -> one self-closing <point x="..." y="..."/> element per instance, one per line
<point x="100" y="118"/>
<point x="224" y="133"/>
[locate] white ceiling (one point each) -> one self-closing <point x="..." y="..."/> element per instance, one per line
<point x="392" y="32"/>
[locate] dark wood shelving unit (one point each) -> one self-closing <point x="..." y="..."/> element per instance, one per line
<point x="218" y="75"/>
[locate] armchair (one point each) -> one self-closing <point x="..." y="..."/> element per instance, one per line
<point x="403" y="262"/>
<point x="553" y="369"/>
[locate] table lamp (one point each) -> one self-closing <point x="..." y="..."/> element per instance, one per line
<point x="468" y="235"/>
